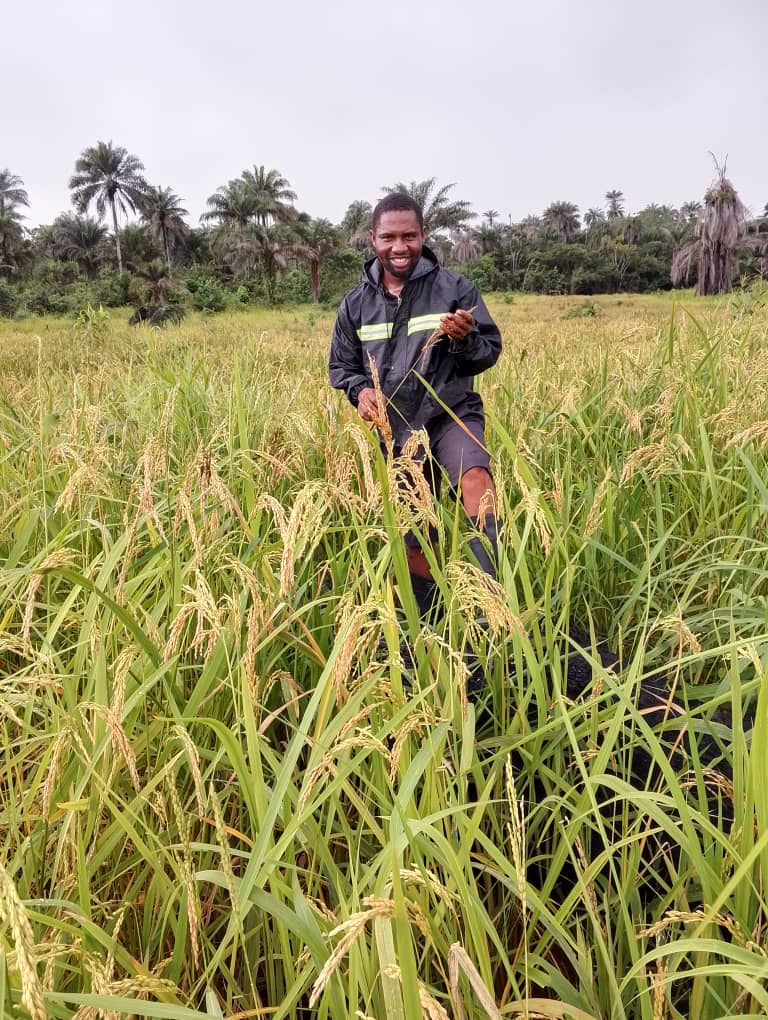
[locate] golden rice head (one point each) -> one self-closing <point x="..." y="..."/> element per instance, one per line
<point x="475" y="594"/>
<point x="370" y="487"/>
<point x="381" y="421"/>
<point x="530" y="503"/>
<point x="14" y="915"/>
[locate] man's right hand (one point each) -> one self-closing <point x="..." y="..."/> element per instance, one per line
<point x="367" y="404"/>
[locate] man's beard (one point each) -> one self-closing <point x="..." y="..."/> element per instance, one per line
<point x="400" y="272"/>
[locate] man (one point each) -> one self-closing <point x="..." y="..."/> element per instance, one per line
<point x="404" y="296"/>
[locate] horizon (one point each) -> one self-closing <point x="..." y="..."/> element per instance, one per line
<point x="755" y="209"/>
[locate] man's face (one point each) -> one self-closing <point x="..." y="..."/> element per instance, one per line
<point x="397" y="242"/>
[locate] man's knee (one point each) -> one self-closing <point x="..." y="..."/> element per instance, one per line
<point x="477" y="476"/>
<point x="477" y="490"/>
<point x="417" y="561"/>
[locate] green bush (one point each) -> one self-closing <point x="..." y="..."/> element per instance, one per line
<point x="111" y="289"/>
<point x="484" y="274"/>
<point x="749" y="300"/>
<point x="586" y="310"/>
<point x="92" y="323"/>
<point x="9" y="300"/>
<point x="339" y="274"/>
<point x="39" y="299"/>
<point x="590" y="281"/>
<point x="541" y="279"/>
<point x="207" y="295"/>
<point x="292" y="288"/>
<point x="56" y="273"/>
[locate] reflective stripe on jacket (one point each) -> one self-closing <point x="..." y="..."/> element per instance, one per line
<point x="394" y="333"/>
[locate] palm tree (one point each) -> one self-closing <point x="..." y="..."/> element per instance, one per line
<point x="488" y="238"/>
<point x="81" y="239"/>
<point x="689" y="211"/>
<point x="442" y="246"/>
<point x="491" y="215"/>
<point x="138" y="247"/>
<point x="531" y="227"/>
<point x="12" y="189"/>
<point x="465" y="247"/>
<point x="615" y="200"/>
<point x="110" y="176"/>
<point x="513" y="241"/>
<point x="11" y="233"/>
<point x="194" y="247"/>
<point x="562" y="218"/>
<point x="438" y="211"/>
<point x="271" y="247"/>
<point x="272" y="196"/>
<point x="159" y="283"/>
<point x="677" y="234"/>
<point x="318" y="241"/>
<point x="257" y="196"/>
<point x="626" y="229"/>
<point x="356" y="224"/>
<point x="231" y="205"/>
<point x="720" y="233"/>
<point x="651" y="224"/>
<point x="243" y="249"/>
<point x="620" y="255"/>
<point x="161" y="210"/>
<point x="597" y="226"/>
<point x="44" y="241"/>
<point x="12" y="195"/>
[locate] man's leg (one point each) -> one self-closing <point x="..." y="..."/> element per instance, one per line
<point x="478" y="494"/>
<point x="422" y="582"/>
<point x="459" y="446"/>
<point x="467" y="462"/>
<point x="424" y="588"/>
<point x="417" y="562"/>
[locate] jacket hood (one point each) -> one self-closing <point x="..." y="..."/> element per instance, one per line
<point x="426" y="264"/>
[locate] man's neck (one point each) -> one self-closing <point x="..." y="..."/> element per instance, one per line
<point x="392" y="284"/>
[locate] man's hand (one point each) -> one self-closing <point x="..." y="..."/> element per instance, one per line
<point x="457" y="325"/>
<point x="367" y="404"/>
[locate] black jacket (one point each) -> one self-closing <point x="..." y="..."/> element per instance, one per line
<point x="394" y="331"/>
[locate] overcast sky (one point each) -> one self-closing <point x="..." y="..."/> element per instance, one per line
<point x="519" y="102"/>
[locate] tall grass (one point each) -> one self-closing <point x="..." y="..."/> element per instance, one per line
<point x="220" y="795"/>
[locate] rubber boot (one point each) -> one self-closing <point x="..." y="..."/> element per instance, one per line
<point x="485" y="536"/>
<point x="425" y="593"/>
<point x="487" y="560"/>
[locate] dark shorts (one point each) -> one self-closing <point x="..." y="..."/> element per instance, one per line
<point x="455" y="447"/>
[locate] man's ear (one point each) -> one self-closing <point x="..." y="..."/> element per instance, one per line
<point x="371" y="236"/>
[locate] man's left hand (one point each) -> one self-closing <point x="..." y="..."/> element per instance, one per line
<point x="457" y="325"/>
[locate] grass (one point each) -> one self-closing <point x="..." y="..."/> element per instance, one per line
<point x="218" y="797"/>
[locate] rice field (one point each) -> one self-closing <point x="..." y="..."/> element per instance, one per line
<point x="220" y="794"/>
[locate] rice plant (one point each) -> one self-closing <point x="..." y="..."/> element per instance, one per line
<point x="223" y="792"/>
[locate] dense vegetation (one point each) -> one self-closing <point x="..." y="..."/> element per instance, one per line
<point x="255" y="246"/>
<point x="218" y="798"/>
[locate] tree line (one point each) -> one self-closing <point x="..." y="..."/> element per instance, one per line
<point x="254" y="245"/>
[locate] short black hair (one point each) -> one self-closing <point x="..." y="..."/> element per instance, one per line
<point x="396" y="201"/>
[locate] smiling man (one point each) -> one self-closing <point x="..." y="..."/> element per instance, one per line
<point x="403" y="297"/>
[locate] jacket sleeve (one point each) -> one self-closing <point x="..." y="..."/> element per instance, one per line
<point x="481" y="348"/>
<point x="345" y="364"/>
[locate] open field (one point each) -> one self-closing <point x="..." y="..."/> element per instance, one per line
<point x="216" y="795"/>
